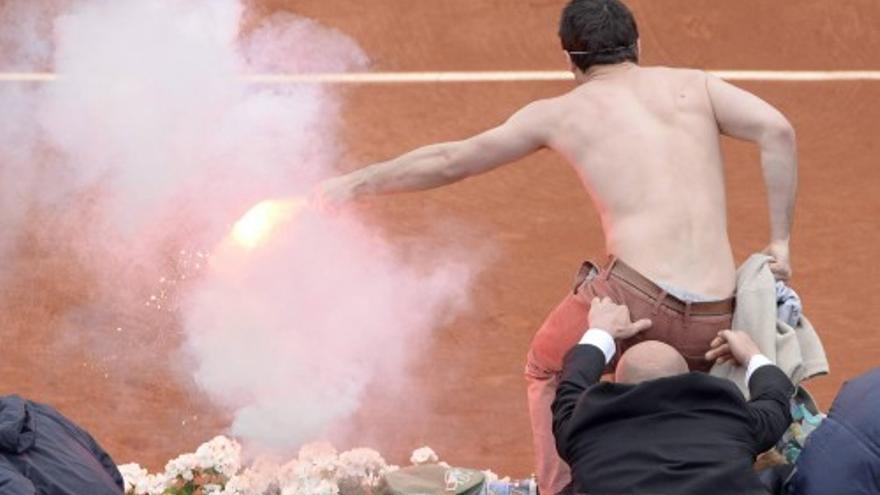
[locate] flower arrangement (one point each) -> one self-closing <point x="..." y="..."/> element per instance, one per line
<point x="215" y="468"/>
<point x="424" y="455"/>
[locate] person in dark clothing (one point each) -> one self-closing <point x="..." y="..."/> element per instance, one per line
<point x="44" y="453"/>
<point x="843" y="454"/>
<point x="661" y="429"/>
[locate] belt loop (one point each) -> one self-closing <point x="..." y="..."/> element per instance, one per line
<point x="582" y="275"/>
<point x="660" y="298"/>
<point x="687" y="313"/>
<point x="612" y="260"/>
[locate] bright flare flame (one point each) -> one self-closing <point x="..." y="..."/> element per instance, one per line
<point x="255" y="226"/>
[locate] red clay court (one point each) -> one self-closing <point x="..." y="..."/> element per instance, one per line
<point x="470" y="406"/>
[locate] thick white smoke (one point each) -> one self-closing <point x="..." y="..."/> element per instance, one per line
<point x="292" y="332"/>
<point x="152" y="104"/>
<point x="151" y="143"/>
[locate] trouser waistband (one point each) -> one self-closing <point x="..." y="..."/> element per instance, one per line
<point x="628" y="275"/>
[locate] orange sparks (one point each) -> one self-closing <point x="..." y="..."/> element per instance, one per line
<point x="255" y="226"/>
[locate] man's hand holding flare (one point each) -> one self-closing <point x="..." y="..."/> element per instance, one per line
<point x="332" y="194"/>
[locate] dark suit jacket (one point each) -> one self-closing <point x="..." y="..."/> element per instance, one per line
<point x="686" y="434"/>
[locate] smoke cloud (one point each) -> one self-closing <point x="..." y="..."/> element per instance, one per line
<point x="132" y="169"/>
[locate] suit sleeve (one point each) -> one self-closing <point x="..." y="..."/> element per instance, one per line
<point x="581" y="368"/>
<point x="769" y="408"/>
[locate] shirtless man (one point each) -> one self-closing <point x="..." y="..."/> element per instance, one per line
<point x="646" y="143"/>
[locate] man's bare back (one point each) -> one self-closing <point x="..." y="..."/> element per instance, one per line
<point x="646" y="143"/>
<point x="647" y="147"/>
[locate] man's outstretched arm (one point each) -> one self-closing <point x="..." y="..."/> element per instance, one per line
<point x="743" y="115"/>
<point x="440" y="164"/>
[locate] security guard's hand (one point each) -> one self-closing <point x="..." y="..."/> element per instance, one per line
<point x="733" y="345"/>
<point x="615" y="319"/>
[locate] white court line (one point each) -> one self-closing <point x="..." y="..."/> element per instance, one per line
<point x="490" y="76"/>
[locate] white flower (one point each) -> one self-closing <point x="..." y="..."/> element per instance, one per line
<point x="319" y="460"/>
<point x="204" y="459"/>
<point x="259" y="479"/>
<point x="293" y="474"/>
<point x="131" y="474"/>
<point x="182" y="467"/>
<point x="157" y="484"/>
<point x="315" y="472"/>
<point x="424" y="455"/>
<point x="137" y="481"/>
<point x="361" y="467"/>
<point x="318" y="470"/>
<point x="220" y="454"/>
<point x="361" y="462"/>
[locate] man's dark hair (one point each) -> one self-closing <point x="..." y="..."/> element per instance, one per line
<point x="596" y="32"/>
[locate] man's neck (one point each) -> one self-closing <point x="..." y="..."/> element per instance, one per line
<point x="598" y="72"/>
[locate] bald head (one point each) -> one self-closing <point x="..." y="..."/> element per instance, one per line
<point x="649" y="360"/>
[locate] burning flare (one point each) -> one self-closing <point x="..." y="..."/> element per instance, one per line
<point x="255" y="226"/>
